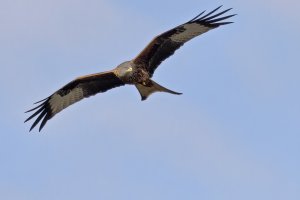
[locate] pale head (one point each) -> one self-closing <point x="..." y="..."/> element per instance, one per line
<point x="124" y="70"/>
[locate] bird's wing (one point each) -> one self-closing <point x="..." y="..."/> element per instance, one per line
<point x="73" y="92"/>
<point x="165" y="44"/>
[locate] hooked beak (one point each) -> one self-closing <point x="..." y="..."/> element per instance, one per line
<point x="129" y="69"/>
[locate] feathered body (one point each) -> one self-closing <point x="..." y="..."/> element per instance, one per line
<point x="131" y="73"/>
<point x="137" y="71"/>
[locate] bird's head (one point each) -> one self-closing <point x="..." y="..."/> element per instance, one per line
<point x="124" y="69"/>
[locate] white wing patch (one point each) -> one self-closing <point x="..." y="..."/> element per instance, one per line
<point x="58" y="103"/>
<point x="191" y="31"/>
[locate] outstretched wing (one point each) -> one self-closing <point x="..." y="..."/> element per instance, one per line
<point x="165" y="44"/>
<point x="71" y="93"/>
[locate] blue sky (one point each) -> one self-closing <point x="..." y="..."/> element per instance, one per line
<point x="233" y="134"/>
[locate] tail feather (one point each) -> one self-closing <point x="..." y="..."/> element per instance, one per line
<point x="146" y="91"/>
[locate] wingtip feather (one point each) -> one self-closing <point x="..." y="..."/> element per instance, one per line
<point x="211" y="12"/>
<point x="213" y="19"/>
<point x="41" y="100"/>
<point x="34" y="108"/>
<point x="42" y="115"/>
<point x="197" y="16"/>
<point x="220" y="19"/>
<point x="46" y="118"/>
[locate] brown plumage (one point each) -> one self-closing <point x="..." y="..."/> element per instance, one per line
<point x="165" y="44"/>
<point x="136" y="72"/>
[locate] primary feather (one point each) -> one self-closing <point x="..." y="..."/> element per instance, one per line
<point x="76" y="90"/>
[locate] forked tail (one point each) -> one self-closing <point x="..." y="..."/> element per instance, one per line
<point x="146" y="91"/>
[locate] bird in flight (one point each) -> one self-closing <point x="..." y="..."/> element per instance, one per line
<point x="137" y="72"/>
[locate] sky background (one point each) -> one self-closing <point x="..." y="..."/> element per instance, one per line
<point x="234" y="133"/>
